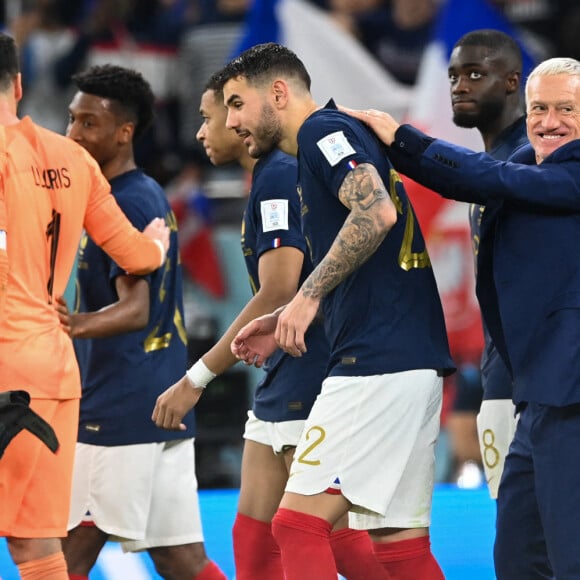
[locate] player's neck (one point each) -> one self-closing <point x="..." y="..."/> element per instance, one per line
<point x="8" y="112"/>
<point x="117" y="167"/>
<point x="295" y="117"/>
<point x="491" y="133"/>
<point x="247" y="162"/>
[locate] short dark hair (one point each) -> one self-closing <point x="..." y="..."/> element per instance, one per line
<point x="126" y="87"/>
<point x="216" y="84"/>
<point x="9" y="66"/>
<point x="498" y="43"/>
<point x="262" y="62"/>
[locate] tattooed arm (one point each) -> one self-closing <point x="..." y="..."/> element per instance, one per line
<point x="372" y="215"/>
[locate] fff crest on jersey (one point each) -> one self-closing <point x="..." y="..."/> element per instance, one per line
<point x="335" y="147"/>
<point x="274" y="214"/>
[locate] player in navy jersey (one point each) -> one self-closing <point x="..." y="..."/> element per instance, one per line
<point x="485" y="70"/>
<point x="368" y="443"/>
<point x="277" y="262"/>
<point x="527" y="287"/>
<point x="132" y="482"/>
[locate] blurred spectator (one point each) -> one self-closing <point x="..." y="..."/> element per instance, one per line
<point x="345" y="12"/>
<point x="143" y="35"/>
<point x="221" y="10"/>
<point x="205" y="47"/>
<point x="44" y="34"/>
<point x="396" y="32"/>
<point x="549" y="27"/>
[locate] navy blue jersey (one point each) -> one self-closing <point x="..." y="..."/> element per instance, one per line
<point x="386" y="316"/>
<point x="123" y="375"/>
<point x="495" y="377"/>
<point x="272" y="220"/>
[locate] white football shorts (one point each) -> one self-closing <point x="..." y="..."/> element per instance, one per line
<point x="374" y="439"/>
<point x="143" y="495"/>
<point x="496" y="426"/>
<point x="279" y="436"/>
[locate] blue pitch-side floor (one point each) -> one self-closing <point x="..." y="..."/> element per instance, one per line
<point x="461" y="534"/>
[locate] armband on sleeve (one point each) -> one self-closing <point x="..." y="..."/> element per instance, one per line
<point x="16" y="414"/>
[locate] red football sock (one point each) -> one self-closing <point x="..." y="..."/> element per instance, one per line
<point x="354" y="555"/>
<point x="256" y="553"/>
<point x="51" y="567"/>
<point x="210" y="571"/>
<point x="304" y="541"/>
<point x="77" y="577"/>
<point x="409" y="559"/>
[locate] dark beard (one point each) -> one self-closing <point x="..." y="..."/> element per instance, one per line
<point x="488" y="113"/>
<point x="268" y="134"/>
<point x="466" y="120"/>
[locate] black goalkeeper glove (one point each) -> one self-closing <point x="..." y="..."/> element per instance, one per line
<point x="16" y="414"/>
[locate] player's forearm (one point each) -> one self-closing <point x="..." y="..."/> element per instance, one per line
<point x="220" y="358"/>
<point x="109" y="321"/>
<point x="355" y="243"/>
<point x="371" y="216"/>
<point x="135" y="252"/>
<point x="108" y="226"/>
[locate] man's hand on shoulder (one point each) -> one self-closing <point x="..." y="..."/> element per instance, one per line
<point x="383" y="125"/>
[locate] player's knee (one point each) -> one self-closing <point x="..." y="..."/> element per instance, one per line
<point x="28" y="549"/>
<point x="175" y="562"/>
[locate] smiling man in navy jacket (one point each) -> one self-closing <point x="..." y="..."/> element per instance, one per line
<point x="529" y="291"/>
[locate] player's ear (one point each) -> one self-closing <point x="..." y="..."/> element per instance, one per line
<point x="280" y="92"/>
<point x="512" y="82"/>
<point x="18" y="87"/>
<point x="126" y="132"/>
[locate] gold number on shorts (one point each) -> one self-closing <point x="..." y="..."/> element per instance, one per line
<point x="320" y="434"/>
<point x="491" y="455"/>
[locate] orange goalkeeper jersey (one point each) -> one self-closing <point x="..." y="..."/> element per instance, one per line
<point x="52" y="189"/>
